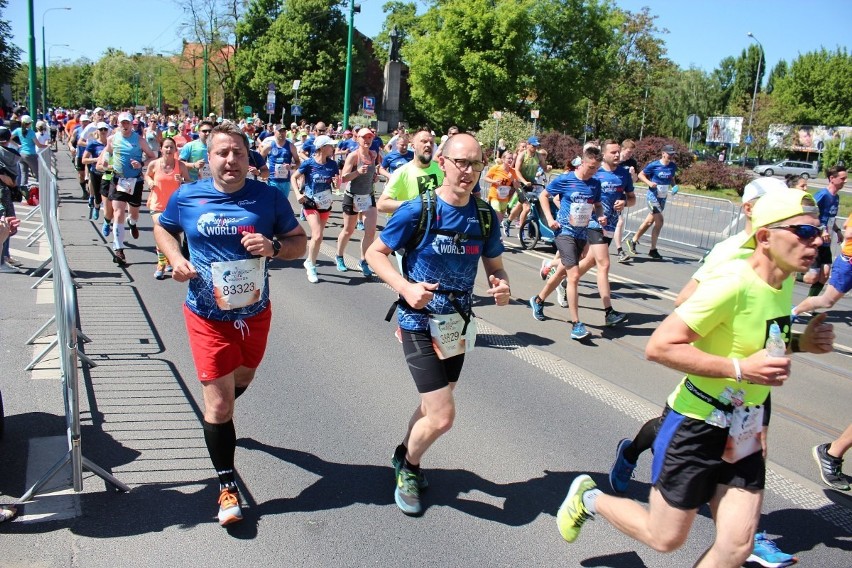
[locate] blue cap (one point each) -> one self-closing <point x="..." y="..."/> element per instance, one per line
<point x="533" y="141"/>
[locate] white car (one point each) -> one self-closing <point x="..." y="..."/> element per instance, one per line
<point x="805" y="169"/>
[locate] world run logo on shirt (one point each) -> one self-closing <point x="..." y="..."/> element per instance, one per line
<point x="444" y="244"/>
<point x="216" y="224"/>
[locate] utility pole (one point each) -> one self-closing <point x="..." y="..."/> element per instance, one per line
<point x="347" y="88"/>
<point x="32" y="59"/>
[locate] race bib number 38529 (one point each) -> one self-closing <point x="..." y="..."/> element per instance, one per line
<point x="238" y="283"/>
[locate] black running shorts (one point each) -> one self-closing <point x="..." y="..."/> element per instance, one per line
<point x="688" y="462"/>
<point x="596" y="237"/>
<point x="133" y="199"/>
<point x="429" y="372"/>
<point x="570" y="250"/>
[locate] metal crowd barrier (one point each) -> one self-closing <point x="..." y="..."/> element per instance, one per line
<point x="690" y="220"/>
<point x="67" y="336"/>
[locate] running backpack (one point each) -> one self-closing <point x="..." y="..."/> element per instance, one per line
<point x="428" y="211"/>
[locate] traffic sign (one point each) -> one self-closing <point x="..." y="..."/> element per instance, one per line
<point x="534" y="114"/>
<point x="498" y="115"/>
<point x="270" y="97"/>
<point x="270" y="108"/>
<point x="693" y="121"/>
<point x="296" y="84"/>
<point x="749" y="139"/>
<point x="247" y="110"/>
<point x="369" y="105"/>
<point x="296" y="110"/>
<point x="588" y="128"/>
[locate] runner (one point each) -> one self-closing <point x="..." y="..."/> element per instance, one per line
<point x="396" y="158"/>
<point x="840" y="281"/>
<point x="232" y="224"/>
<point x="530" y="162"/>
<point x="729" y="374"/>
<point x="77" y="145"/>
<point x="418" y="176"/>
<point x="435" y="294"/>
<point x="281" y="158"/>
<point x="628" y="147"/>
<point x="503" y="181"/>
<point x="313" y="183"/>
<point x="359" y="171"/>
<point x="616" y="194"/>
<point x="579" y="194"/>
<point x="90" y="157"/>
<point x="346" y="145"/>
<point x="828" y="202"/>
<point x="660" y="178"/>
<point x="194" y="154"/>
<point x="164" y="175"/>
<point x="126" y="186"/>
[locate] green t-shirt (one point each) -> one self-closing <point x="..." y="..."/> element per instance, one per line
<point x="729" y="249"/>
<point x="409" y="181"/>
<point x="731" y="310"/>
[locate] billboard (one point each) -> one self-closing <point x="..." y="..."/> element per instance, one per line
<point x="805" y="138"/>
<point x="724" y="129"/>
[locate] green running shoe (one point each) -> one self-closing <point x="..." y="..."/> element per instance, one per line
<point x="572" y="513"/>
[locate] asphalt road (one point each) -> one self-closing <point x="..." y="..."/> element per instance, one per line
<point x="331" y="401"/>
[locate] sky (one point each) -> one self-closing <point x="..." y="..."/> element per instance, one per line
<point x="701" y="32"/>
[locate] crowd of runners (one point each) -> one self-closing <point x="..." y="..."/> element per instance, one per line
<point x="226" y="195"/>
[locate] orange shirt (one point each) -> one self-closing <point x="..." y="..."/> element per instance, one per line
<point x="71" y="125"/>
<point x="164" y="185"/>
<point x="847" y="243"/>
<point x="503" y="179"/>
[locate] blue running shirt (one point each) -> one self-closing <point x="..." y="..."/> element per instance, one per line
<point x="661" y="175"/>
<point x="575" y="194"/>
<point x="213" y="223"/>
<point x="453" y="266"/>
<point x="318" y="176"/>
<point x="614" y="186"/>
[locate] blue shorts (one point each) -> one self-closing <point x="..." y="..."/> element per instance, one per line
<point x="281" y="185"/>
<point x="841" y="274"/>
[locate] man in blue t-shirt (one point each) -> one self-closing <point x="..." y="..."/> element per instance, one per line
<point x="435" y="293"/>
<point x="232" y="225"/>
<point x="579" y="194"/>
<point x="828" y="201"/>
<point x="660" y="178"/>
<point x="398" y="157"/>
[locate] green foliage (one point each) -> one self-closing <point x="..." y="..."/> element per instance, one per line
<point x="511" y="128"/>
<point x="467" y="57"/>
<point x="113" y="79"/>
<point x="746" y="66"/>
<point x="833" y="155"/>
<point x="780" y="70"/>
<point x="817" y="88"/>
<point x="10" y="54"/>
<point x="678" y="94"/>
<point x="402" y="16"/>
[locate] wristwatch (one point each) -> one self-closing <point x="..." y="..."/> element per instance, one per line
<point x="276" y="247"/>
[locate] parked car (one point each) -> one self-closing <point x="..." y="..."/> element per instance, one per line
<point x="805" y="169"/>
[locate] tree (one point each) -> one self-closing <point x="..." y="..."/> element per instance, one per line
<point x="817" y="88"/>
<point x="510" y="127"/>
<point x="777" y="72"/>
<point x="10" y="54"/>
<point x="468" y="57"/>
<point x="573" y="58"/>
<point x="723" y="78"/>
<point x="114" y="79"/>
<point x="678" y="95"/>
<point x="403" y="17"/>
<point x="745" y="71"/>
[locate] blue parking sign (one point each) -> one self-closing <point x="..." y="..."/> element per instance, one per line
<point x="270" y="108"/>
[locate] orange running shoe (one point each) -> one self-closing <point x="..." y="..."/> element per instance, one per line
<point x="229" y="507"/>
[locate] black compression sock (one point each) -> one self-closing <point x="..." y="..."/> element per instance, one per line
<point x="411" y="467"/>
<point x="221" y="442"/>
<point x="816" y="288"/>
<point x="238" y="391"/>
<point x="644" y="440"/>
<point x="608" y="310"/>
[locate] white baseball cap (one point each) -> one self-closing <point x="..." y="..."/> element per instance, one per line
<point x="761" y="186"/>
<point x="323" y="141"/>
<point x="125" y="116"/>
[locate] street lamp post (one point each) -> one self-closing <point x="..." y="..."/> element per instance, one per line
<point x="347" y="85"/>
<point x="754" y="96"/>
<point x="44" y="62"/>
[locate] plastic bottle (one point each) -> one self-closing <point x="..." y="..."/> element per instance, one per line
<point x="775" y="346"/>
<point x="675" y="189"/>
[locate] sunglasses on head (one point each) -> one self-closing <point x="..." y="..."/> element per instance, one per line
<point x="806" y="232"/>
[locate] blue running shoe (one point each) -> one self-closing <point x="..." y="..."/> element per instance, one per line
<point x="766" y="553"/>
<point x="365" y="268"/>
<point x="341" y="266"/>
<point x="96" y="213"/>
<point x="622" y="470"/>
<point x="398" y="459"/>
<point x="579" y="331"/>
<point x="538" y="309"/>
<point x="359" y="226"/>
<point x="106" y="228"/>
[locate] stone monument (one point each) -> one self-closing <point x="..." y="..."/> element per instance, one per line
<point x="390" y="95"/>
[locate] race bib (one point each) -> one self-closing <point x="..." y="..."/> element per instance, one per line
<point x="447" y="337"/>
<point x="663" y="191"/>
<point x="126" y="185"/>
<point x="362" y="202"/>
<point x="204" y="172"/>
<point x="323" y="199"/>
<point x="238" y="283"/>
<point x="744" y="433"/>
<point x="282" y="171"/>
<point x="580" y="214"/>
<point x="503" y="191"/>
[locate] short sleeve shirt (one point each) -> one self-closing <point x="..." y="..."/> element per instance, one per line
<point x="318" y="176"/>
<point x="659" y="174"/>
<point x="409" y="181"/>
<point x="615" y="186"/>
<point x="828" y="206"/>
<point x="440" y="259"/>
<point x="574" y="193"/>
<point x="213" y="222"/>
<point x="395" y="159"/>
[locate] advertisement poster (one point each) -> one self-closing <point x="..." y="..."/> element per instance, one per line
<point x="805" y="138"/>
<point x="724" y="129"/>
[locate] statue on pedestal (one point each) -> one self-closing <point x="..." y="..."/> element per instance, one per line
<point x="395" y="38"/>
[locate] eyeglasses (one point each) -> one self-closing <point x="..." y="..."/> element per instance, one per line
<point x="205" y="131"/>
<point x="104" y="129"/>
<point x="463" y="164"/>
<point x="805" y="232"/>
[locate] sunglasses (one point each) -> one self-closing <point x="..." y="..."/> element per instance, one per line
<point x="463" y="164"/>
<point x="805" y="232"/>
<point x="206" y="131"/>
<point x="104" y="129"/>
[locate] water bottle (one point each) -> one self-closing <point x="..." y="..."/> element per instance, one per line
<point x="775" y="346"/>
<point x="675" y="189"/>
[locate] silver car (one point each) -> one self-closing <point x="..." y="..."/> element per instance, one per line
<point x="805" y="169"/>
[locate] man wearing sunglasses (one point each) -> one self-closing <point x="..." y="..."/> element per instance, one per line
<point x="708" y="449"/>
<point x="434" y="309"/>
<point x="194" y="154"/>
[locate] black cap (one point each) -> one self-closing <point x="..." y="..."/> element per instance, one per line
<point x="5" y="134"/>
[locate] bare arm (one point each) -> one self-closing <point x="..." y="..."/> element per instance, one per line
<point x="646" y="181"/>
<point x="497" y="279"/>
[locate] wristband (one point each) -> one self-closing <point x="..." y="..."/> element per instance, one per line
<point x="738" y="372"/>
